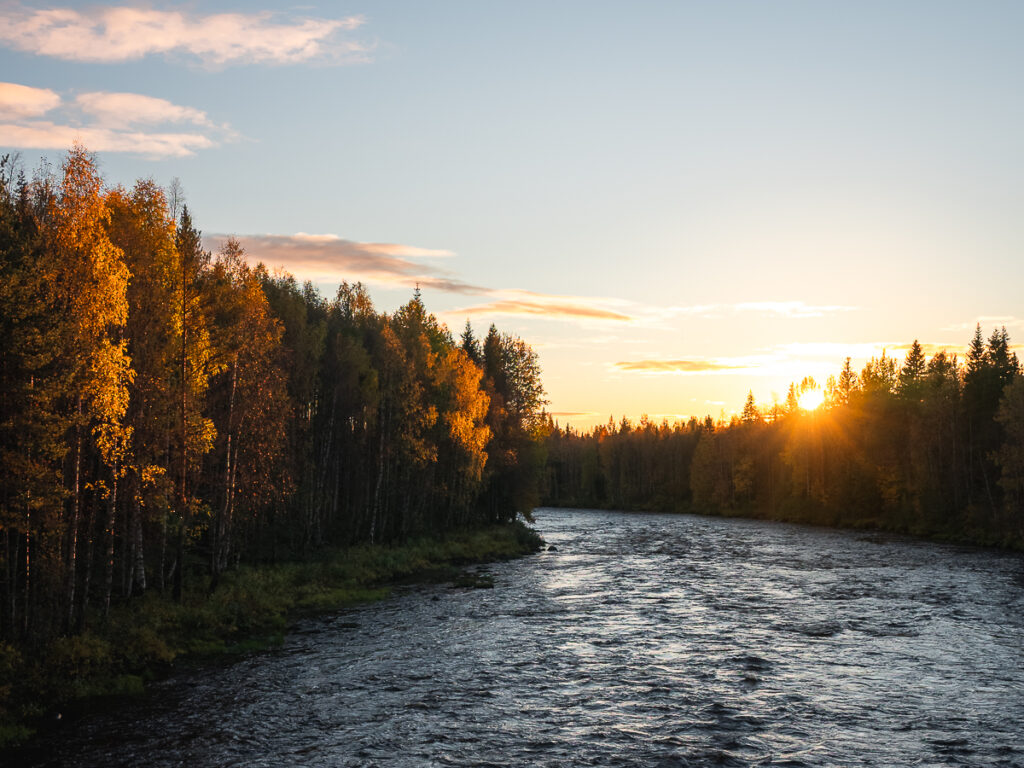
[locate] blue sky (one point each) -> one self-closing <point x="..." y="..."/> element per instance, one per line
<point x="673" y="202"/>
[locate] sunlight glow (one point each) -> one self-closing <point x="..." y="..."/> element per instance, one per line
<point x="811" y="399"/>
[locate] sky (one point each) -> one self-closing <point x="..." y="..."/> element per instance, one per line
<point x="674" y="203"/>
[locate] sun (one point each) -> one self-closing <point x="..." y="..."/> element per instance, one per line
<point x="810" y="399"/>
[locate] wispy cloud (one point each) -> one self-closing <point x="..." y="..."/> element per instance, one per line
<point x="795" y="309"/>
<point x="45" y="135"/>
<point x="987" y="323"/>
<point x="794" y="360"/>
<point x="863" y="350"/>
<point x="677" y="366"/>
<point x="671" y="418"/>
<point x="929" y="348"/>
<point x="833" y="350"/>
<point x="822" y="359"/>
<point x="329" y="258"/>
<point x="787" y="309"/>
<point x="549" y="305"/>
<point x="697" y="310"/>
<point x="126" y="33"/>
<point x="116" y="110"/>
<point x="409" y="251"/>
<point x="105" y="122"/>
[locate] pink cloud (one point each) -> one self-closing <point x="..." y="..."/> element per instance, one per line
<point x="553" y="306"/>
<point x="40" y="134"/>
<point x="675" y="366"/>
<point x="104" y="122"/>
<point x="122" y="109"/>
<point x="546" y="306"/>
<point x="124" y="33"/>
<point x="21" y="101"/>
<point x="328" y="258"/>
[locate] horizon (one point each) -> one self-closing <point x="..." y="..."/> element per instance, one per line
<point x="672" y="206"/>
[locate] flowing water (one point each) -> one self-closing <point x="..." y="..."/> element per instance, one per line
<point x="662" y="640"/>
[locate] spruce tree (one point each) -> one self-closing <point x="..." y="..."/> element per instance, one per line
<point x="470" y="345"/>
<point x="908" y="384"/>
<point x="750" y="413"/>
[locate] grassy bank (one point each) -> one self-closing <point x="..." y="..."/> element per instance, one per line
<point x="250" y="609"/>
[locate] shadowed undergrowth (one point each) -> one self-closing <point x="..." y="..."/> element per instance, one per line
<point x="249" y="610"/>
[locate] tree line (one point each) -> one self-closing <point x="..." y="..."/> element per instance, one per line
<point x="931" y="446"/>
<point x="166" y="413"/>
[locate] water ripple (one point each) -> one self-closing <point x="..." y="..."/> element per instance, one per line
<point x="643" y="640"/>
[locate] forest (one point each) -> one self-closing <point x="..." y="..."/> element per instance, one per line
<point x="170" y="417"/>
<point x="167" y="413"/>
<point x="928" y="446"/>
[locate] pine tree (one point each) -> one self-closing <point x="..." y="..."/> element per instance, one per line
<point x="470" y="345"/>
<point x="1010" y="457"/>
<point x="976" y="355"/>
<point x="908" y="384"/>
<point x="878" y="377"/>
<point x="1001" y="357"/>
<point x="792" y="399"/>
<point x="194" y="367"/>
<point x="989" y="369"/>
<point x="848" y="383"/>
<point x="750" y="414"/>
<point x="32" y="421"/>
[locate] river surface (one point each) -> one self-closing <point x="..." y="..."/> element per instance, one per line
<point x="652" y="640"/>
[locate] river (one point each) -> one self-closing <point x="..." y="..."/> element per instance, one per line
<point x="660" y="640"/>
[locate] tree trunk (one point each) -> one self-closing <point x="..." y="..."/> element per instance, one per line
<point x="380" y="482"/>
<point x="111" y="521"/>
<point x="28" y="572"/>
<point x="11" y="547"/>
<point x="229" y="523"/>
<point x="221" y="526"/>
<point x="138" y="581"/>
<point x="182" y="490"/>
<point x="69" y="586"/>
<point x="179" y="562"/>
<point x="90" y="528"/>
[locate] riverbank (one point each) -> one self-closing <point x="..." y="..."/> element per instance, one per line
<point x="249" y="610"/>
<point x="640" y="640"/>
<point x="975" y="534"/>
